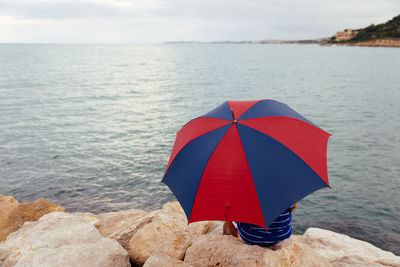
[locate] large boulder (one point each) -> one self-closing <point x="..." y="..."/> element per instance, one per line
<point x="4" y="251"/>
<point x="13" y="214"/>
<point x="164" y="261"/>
<point x="122" y="225"/>
<point x="88" y="216"/>
<point x="222" y="250"/>
<point x="168" y="234"/>
<point x="61" y="239"/>
<point x="342" y="250"/>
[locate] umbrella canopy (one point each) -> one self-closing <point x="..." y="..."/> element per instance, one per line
<point x="246" y="161"/>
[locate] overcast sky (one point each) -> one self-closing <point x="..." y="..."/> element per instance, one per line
<point x="152" y="21"/>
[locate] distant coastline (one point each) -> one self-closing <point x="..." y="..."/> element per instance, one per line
<point x="382" y="42"/>
<point x="312" y="41"/>
<point x="382" y="35"/>
<point x="385" y="34"/>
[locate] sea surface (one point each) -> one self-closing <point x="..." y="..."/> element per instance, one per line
<point x="91" y="127"/>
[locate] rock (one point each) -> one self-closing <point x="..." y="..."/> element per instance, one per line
<point x="222" y="250"/>
<point x="61" y="239"/>
<point x="168" y="234"/>
<point x="122" y="225"/>
<point x="380" y="42"/>
<point x="342" y="250"/>
<point x="90" y="217"/>
<point x="298" y="254"/>
<point x="164" y="261"/>
<point x="216" y="227"/>
<point x="384" y="42"/>
<point x="159" y="238"/>
<point x="13" y="214"/>
<point x="10" y="218"/>
<point x="345" y="35"/>
<point x="4" y="251"/>
<point x="32" y="211"/>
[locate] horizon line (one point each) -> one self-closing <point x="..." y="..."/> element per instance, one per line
<point x="163" y="42"/>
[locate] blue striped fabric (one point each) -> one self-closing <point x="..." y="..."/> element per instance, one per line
<point x="279" y="230"/>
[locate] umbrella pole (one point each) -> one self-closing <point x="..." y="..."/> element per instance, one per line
<point x="229" y="224"/>
<point x="231" y="228"/>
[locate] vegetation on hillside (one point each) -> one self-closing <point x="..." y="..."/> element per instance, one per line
<point x="390" y="29"/>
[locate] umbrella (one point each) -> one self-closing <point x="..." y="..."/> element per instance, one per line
<point x="246" y="161"/>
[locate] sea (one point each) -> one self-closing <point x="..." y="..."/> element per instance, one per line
<point x="91" y="127"/>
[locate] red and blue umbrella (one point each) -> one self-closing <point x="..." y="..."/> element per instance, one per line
<point x="246" y="161"/>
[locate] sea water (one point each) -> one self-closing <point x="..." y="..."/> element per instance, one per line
<point x="91" y="127"/>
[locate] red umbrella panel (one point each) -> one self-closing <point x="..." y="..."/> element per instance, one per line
<point x="246" y="161"/>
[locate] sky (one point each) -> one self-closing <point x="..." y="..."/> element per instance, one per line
<point x="157" y="21"/>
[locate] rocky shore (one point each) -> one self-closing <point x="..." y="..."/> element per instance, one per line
<point x="384" y="42"/>
<point x="41" y="233"/>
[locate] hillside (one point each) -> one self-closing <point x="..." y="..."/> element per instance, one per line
<point x="374" y="35"/>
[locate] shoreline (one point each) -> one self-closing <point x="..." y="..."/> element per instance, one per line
<point x="384" y="42"/>
<point x="41" y="232"/>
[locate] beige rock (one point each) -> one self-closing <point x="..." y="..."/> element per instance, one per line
<point x="381" y="42"/>
<point x="342" y="250"/>
<point x="61" y="239"/>
<point x="10" y="218"/>
<point x="384" y="42"/>
<point x="122" y="225"/>
<point x="13" y="214"/>
<point x="345" y="35"/>
<point x="222" y="250"/>
<point x="164" y="261"/>
<point x="216" y="227"/>
<point x="298" y="254"/>
<point x="168" y="234"/>
<point x="4" y="251"/>
<point x="90" y="217"/>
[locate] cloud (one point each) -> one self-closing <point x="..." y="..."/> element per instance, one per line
<point x="76" y="9"/>
<point x="166" y="20"/>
